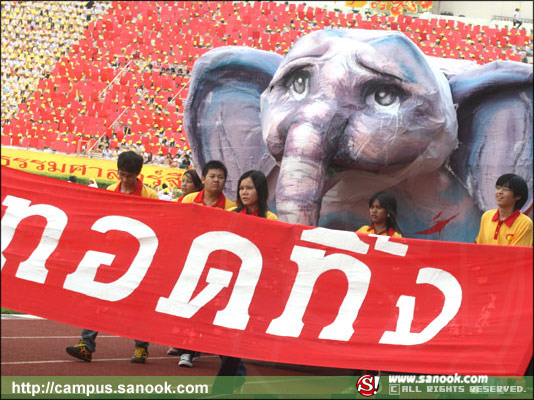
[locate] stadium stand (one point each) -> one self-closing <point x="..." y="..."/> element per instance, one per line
<point x="115" y="76"/>
<point x="35" y="35"/>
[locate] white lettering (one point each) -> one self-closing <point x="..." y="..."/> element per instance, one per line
<point x="235" y="315"/>
<point x="338" y="239"/>
<point x="452" y="291"/>
<point x="383" y="244"/>
<point x="33" y="269"/>
<point x="83" y="279"/>
<point x="312" y="263"/>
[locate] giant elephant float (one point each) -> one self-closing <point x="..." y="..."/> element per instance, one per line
<point x="349" y="112"/>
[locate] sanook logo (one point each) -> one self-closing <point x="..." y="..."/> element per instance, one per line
<point x="181" y="302"/>
<point x="368" y="385"/>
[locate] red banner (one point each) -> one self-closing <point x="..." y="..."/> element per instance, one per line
<point x="232" y="284"/>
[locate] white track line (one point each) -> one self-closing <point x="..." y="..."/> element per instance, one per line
<point x="71" y="361"/>
<point x="97" y="360"/>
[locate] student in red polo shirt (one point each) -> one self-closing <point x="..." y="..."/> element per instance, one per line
<point x="506" y="225"/>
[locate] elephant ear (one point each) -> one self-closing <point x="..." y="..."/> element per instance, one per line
<point x="222" y="112"/>
<point x="494" y="109"/>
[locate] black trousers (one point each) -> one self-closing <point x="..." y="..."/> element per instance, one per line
<point x="231" y="375"/>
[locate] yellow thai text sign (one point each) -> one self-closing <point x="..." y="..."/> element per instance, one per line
<point x="105" y="170"/>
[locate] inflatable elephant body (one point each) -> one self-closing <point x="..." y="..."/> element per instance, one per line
<point x="349" y="112"/>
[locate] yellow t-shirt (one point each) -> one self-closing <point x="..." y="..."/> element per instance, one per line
<point x="140" y="190"/>
<point x="368" y="229"/>
<point x="269" y="215"/>
<point x="198" y="198"/>
<point x="516" y="230"/>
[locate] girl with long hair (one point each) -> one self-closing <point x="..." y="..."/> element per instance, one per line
<point x="383" y="215"/>
<point x="191" y="183"/>
<point x="252" y="194"/>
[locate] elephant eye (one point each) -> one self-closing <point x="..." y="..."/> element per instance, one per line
<point x="385" y="96"/>
<point x="299" y="84"/>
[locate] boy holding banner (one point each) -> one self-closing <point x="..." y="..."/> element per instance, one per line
<point x="507" y="225"/>
<point x="214" y="175"/>
<point x="129" y="165"/>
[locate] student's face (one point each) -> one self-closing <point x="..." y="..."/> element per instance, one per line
<point x="377" y="213"/>
<point x="504" y="196"/>
<point x="248" y="193"/>
<point x="127" y="179"/>
<point x="187" y="185"/>
<point x="214" y="180"/>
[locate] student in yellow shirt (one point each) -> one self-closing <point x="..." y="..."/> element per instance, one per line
<point x="506" y="225"/>
<point x="191" y="183"/>
<point x="383" y="215"/>
<point x="129" y="165"/>
<point x="214" y="175"/>
<point x="252" y="195"/>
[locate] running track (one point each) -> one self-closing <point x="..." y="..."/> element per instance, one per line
<point x="32" y="346"/>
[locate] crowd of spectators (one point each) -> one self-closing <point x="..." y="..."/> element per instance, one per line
<point x="35" y="35"/>
<point x="114" y="76"/>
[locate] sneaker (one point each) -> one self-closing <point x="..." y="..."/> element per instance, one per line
<point x="80" y="351"/>
<point x="173" y="351"/>
<point x="196" y="355"/>
<point x="140" y="356"/>
<point x="186" y="360"/>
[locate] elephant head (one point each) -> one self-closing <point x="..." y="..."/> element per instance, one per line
<point x="343" y="101"/>
<point x="353" y="99"/>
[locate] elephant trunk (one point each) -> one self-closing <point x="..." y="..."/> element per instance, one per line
<point x="302" y="175"/>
